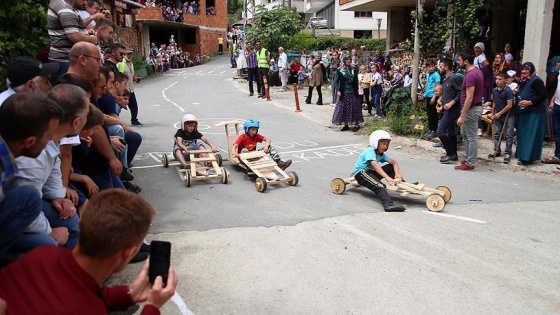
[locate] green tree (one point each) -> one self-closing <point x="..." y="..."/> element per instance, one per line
<point x="275" y="27"/>
<point x="23" y="30"/>
<point x="436" y="26"/>
<point x="234" y="10"/>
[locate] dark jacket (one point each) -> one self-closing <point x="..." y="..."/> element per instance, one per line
<point x="343" y="82"/>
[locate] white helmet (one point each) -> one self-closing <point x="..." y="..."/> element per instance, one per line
<point x="376" y="136"/>
<point x="189" y="117"/>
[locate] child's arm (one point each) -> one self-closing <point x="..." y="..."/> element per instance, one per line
<point x="208" y="142"/>
<point x="266" y="144"/>
<point x="180" y="144"/>
<point x="492" y="113"/>
<point x="91" y="187"/>
<point x="379" y="170"/>
<point x="396" y="168"/>
<point x="509" y="105"/>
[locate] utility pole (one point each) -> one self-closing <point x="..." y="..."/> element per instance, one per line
<point x="416" y="58"/>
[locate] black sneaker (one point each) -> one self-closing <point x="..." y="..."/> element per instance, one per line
<point x="132" y="188"/>
<point x="126" y="176"/>
<point x="391" y="207"/>
<point x="145" y="248"/>
<point x="136" y="123"/>
<point x="141" y="256"/>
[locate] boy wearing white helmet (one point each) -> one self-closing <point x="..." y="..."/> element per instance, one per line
<point x="368" y="171"/>
<point x="188" y="138"/>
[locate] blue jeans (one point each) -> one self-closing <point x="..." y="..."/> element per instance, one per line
<point x="133" y="140"/>
<point x="117" y="130"/>
<point x="71" y="223"/>
<point x="556" y="128"/>
<point x="106" y="180"/>
<point x="509" y="131"/>
<point x="468" y="131"/>
<point x="376" y="96"/>
<point x="18" y="209"/>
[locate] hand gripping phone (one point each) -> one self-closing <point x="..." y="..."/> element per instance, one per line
<point x="160" y="259"/>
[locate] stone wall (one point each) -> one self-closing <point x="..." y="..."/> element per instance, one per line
<point x="129" y="37"/>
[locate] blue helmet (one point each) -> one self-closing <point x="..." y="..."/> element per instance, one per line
<point x="250" y="123"/>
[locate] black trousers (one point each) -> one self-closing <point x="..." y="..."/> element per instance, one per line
<point x="372" y="180"/>
<point x="431" y="110"/>
<point x="263" y="72"/>
<point x="310" y="94"/>
<point x="253" y="73"/>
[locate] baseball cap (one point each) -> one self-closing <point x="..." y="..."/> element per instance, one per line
<point x="25" y="68"/>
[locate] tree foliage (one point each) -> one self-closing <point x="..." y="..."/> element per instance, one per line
<point x="437" y="26"/>
<point x="23" y="30"/>
<point x="275" y="27"/>
<point x="234" y="10"/>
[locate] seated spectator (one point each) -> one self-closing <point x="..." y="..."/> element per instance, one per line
<point x="116" y="127"/>
<point x="113" y="225"/>
<point x="273" y="74"/>
<point x="20" y="206"/>
<point x="44" y="173"/>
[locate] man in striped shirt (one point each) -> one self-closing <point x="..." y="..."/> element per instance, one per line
<point x="66" y="28"/>
<point x="252" y="68"/>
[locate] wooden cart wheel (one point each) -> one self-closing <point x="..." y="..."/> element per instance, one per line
<point x="435" y="202"/>
<point x="219" y="159"/>
<point x="260" y="184"/>
<point x="294" y="179"/>
<point x="165" y="160"/>
<point x="338" y="186"/>
<point x="224" y="175"/>
<point x="446" y="192"/>
<point x="188" y="178"/>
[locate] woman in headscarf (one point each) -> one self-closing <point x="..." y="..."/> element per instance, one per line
<point x="499" y="64"/>
<point x="349" y="106"/>
<point x="318" y="70"/>
<point x="531" y="117"/>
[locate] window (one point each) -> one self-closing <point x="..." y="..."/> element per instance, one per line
<point x="362" y="14"/>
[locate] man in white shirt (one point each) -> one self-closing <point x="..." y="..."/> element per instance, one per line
<point x="93" y="13"/>
<point x="283" y="68"/>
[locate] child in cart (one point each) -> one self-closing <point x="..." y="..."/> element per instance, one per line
<point x="188" y="138"/>
<point x="248" y="141"/>
<point x="368" y="170"/>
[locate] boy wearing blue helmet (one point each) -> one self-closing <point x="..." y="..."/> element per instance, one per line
<point x="368" y="171"/>
<point x="251" y="137"/>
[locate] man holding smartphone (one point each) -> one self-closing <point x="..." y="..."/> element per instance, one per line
<point x="113" y="225"/>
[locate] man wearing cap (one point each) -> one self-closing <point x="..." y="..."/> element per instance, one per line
<point x="66" y="28"/>
<point x="126" y="67"/>
<point x="27" y="74"/>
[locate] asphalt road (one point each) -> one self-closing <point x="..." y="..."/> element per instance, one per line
<point x="494" y="249"/>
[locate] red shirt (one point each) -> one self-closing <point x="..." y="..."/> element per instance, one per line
<point x="48" y="280"/>
<point x="246" y="142"/>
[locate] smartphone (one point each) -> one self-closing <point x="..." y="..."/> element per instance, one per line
<point x="160" y="259"/>
<point x="122" y="141"/>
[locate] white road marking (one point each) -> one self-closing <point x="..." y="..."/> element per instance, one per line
<point x="176" y="298"/>
<point x="156" y="105"/>
<point x="455" y="217"/>
<point x="170" y="101"/>
<point x="323" y="148"/>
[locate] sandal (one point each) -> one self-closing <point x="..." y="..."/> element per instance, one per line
<point x="551" y="160"/>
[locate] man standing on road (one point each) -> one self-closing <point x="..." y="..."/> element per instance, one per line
<point x="451" y="110"/>
<point x="66" y="28"/>
<point x="252" y="68"/>
<point x="126" y="67"/>
<point x="283" y="68"/>
<point x="263" y="61"/>
<point x="471" y="103"/>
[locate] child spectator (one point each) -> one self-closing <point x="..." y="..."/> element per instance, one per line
<point x="436" y="100"/>
<point x="301" y="76"/>
<point x="511" y="81"/>
<point x="432" y="78"/>
<point x="249" y="140"/>
<point x="188" y="138"/>
<point x="369" y="172"/>
<point x="503" y="102"/>
<point x="364" y="80"/>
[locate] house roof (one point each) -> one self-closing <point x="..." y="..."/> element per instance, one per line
<point x="242" y="21"/>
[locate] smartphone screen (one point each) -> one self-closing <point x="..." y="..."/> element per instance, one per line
<point x="160" y="258"/>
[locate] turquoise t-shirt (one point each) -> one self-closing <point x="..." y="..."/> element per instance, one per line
<point x="364" y="160"/>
